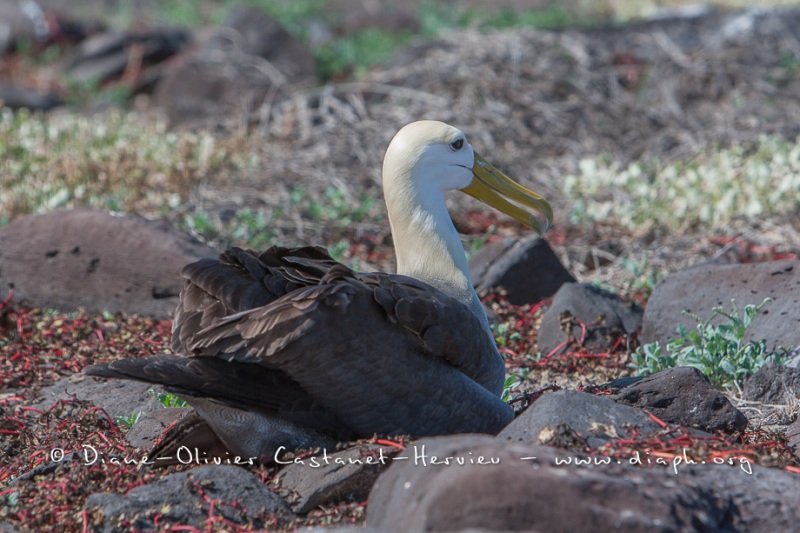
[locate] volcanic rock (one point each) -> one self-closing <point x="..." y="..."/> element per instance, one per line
<point x="347" y="475"/>
<point x="117" y="397"/>
<point x="699" y="289"/>
<point x="684" y="396"/>
<point x="538" y="488"/>
<point x="604" y="315"/>
<point x="596" y="419"/>
<point x="185" y="498"/>
<point x="772" y="383"/>
<point x="152" y="424"/>
<point x="106" y="56"/>
<point x="527" y="269"/>
<point x="96" y="260"/>
<point x="250" y="59"/>
<point x="27" y="98"/>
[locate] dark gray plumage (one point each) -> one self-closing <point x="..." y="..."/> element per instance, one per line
<point x="309" y="347"/>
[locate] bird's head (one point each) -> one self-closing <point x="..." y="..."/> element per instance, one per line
<point x="430" y="156"/>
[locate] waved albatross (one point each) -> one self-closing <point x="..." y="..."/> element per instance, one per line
<point x="290" y="349"/>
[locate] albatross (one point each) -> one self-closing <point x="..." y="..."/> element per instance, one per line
<point x="288" y="349"/>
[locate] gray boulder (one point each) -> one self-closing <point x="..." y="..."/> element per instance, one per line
<point x="605" y="316"/>
<point x="186" y="498"/>
<point x="491" y="485"/>
<point x="96" y="260"/>
<point x="527" y="269"/>
<point x="596" y="419"/>
<point x="699" y="289"/>
<point x="684" y="396"/>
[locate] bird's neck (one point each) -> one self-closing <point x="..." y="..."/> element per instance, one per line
<point x="428" y="247"/>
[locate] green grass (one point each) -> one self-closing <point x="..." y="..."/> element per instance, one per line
<point x="548" y="17"/>
<point x="115" y="161"/>
<point x="334" y="206"/>
<point x="357" y="53"/>
<point x="643" y="277"/>
<point x="256" y="228"/>
<point x="291" y="13"/>
<point x="436" y="17"/>
<point x="711" y="190"/>
<point x="351" y="54"/>
<point x="248" y="227"/>
<point x="718" y="351"/>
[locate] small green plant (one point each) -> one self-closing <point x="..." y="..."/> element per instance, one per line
<point x="11" y="502"/>
<point x="718" y="351"/>
<point x="334" y="206"/>
<point x="503" y="333"/>
<point x="473" y="243"/>
<point x="247" y="227"/>
<point x="552" y="16"/>
<point x="168" y="400"/>
<point x="127" y="422"/>
<point x="643" y="279"/>
<point x="512" y="382"/>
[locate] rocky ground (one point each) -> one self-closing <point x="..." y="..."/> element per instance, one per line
<point x="589" y="449"/>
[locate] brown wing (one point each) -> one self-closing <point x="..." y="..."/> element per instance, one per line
<point x="295" y="332"/>
<point x="240" y="280"/>
<point x="384" y="353"/>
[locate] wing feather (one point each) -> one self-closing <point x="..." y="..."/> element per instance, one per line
<point x="291" y="330"/>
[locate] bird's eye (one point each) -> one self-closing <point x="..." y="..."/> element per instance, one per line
<point x="457" y="144"/>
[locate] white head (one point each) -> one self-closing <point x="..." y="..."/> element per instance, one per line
<point x="427" y="158"/>
<point x="429" y="154"/>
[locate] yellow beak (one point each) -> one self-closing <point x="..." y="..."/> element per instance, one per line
<point x="497" y="190"/>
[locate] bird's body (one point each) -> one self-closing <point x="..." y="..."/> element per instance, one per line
<point x="288" y="348"/>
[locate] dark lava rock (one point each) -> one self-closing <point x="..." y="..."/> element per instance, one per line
<point x="200" y="88"/>
<point x="605" y="315"/>
<point x="184" y="498"/>
<point x="597" y="419"/>
<point x="775" y="384"/>
<point x="14" y="26"/>
<point x="255" y="33"/>
<point x="250" y="59"/>
<point x="152" y="424"/>
<point x="105" y="56"/>
<point x="697" y="290"/>
<point x="23" y="97"/>
<point x="347" y="475"/>
<point x="96" y="260"/>
<point x="117" y="397"/>
<point x="684" y="396"/>
<point x="38" y="24"/>
<point x="527" y="269"/>
<point x="553" y="493"/>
